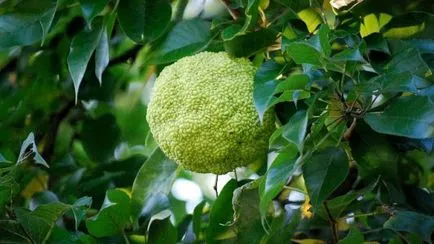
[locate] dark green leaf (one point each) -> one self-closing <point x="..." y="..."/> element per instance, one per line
<point x="162" y="231"/>
<point x="221" y="212"/>
<point x="79" y="209"/>
<point x="82" y="47"/>
<point x="28" y="23"/>
<point x="113" y="216"/>
<point x="303" y="53"/>
<point x="293" y="82"/>
<point x="11" y="231"/>
<point x="264" y="86"/>
<point x="247" y="214"/>
<point x="3" y="159"/>
<point x="144" y="20"/>
<point x="395" y="82"/>
<point x="423" y="45"/>
<point x="197" y="219"/>
<point x="320" y="41"/>
<point x="324" y="172"/>
<point x="374" y="155"/>
<point x="376" y="42"/>
<point x="30" y="144"/>
<point x="152" y="184"/>
<point x="100" y="137"/>
<point x="91" y="8"/>
<point x="250" y="43"/>
<point x="102" y="56"/>
<point x="354" y="236"/>
<point x="407" y="58"/>
<point x="412" y="222"/>
<point x="39" y="223"/>
<point x="409" y="116"/>
<point x="295" y="130"/>
<point x="350" y="54"/>
<point x="186" y="38"/>
<point x="277" y="175"/>
<point x="283" y="226"/>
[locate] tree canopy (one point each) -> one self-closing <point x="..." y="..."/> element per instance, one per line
<point x="350" y="83"/>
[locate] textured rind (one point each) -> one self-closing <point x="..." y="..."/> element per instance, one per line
<point x="202" y="113"/>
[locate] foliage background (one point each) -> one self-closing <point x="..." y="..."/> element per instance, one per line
<point x="351" y="83"/>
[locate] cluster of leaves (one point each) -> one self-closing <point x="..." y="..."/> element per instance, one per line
<point x="351" y="83"/>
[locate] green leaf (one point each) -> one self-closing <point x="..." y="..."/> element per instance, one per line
<point x="162" y="231"/>
<point x="186" y="38"/>
<point x="264" y="85"/>
<point x="251" y="12"/>
<point x="295" y="130"/>
<point x="303" y="53"/>
<point x="28" y="23"/>
<point x="11" y="231"/>
<point x="197" y="219"/>
<point x="350" y="54"/>
<point x="411" y="222"/>
<point x="277" y="175"/>
<point x="246" y="45"/>
<point x="374" y="155"/>
<point x="320" y="41"/>
<point x="113" y="216"/>
<point x="406" y="58"/>
<point x="102" y="56"/>
<point x="221" y="212"/>
<point x="3" y="159"/>
<point x="283" y="226"/>
<point x="152" y="184"/>
<point x="79" y="209"/>
<point x="394" y="83"/>
<point x="408" y="116"/>
<point x="311" y="18"/>
<point x="376" y="42"/>
<point x="39" y="223"/>
<point x="91" y="8"/>
<point x="293" y="82"/>
<point x="100" y="137"/>
<point x="144" y="20"/>
<point x="354" y="236"/>
<point x="247" y="214"/>
<point x="29" y="143"/>
<point x="324" y="172"/>
<point x="82" y="47"/>
<point x="423" y="45"/>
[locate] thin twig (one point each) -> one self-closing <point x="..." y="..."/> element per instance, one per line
<point x="215" y="186"/>
<point x="332" y="223"/>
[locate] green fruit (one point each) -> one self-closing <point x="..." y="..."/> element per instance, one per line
<point x="202" y="113"/>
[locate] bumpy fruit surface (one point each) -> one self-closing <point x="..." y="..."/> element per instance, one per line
<point x="202" y="113"/>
